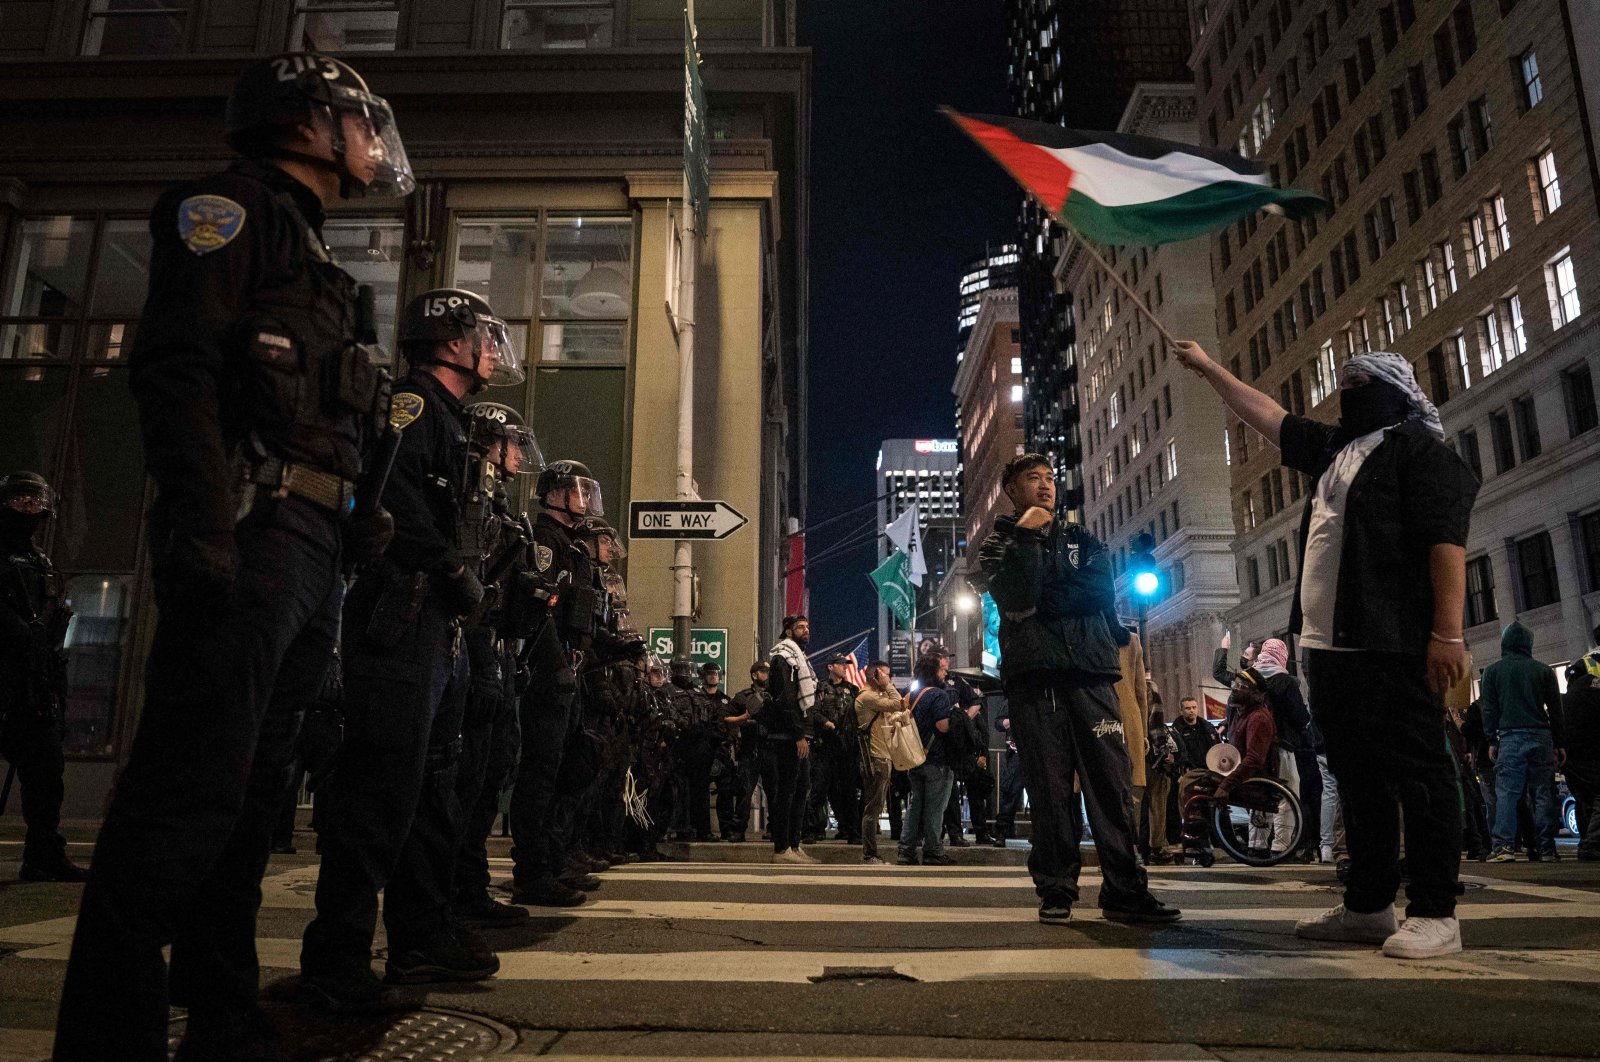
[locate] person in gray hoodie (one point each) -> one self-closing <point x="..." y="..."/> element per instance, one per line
<point x="1522" y="718"/>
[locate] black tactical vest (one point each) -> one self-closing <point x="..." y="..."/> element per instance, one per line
<point x="308" y="393"/>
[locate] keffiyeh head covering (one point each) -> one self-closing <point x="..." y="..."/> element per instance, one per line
<point x="1273" y="659"/>
<point x="1395" y="370"/>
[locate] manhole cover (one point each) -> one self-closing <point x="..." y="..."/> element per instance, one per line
<point x="418" y="1036"/>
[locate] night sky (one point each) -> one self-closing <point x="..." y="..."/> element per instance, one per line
<point x="900" y="202"/>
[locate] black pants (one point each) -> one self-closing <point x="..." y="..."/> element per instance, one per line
<point x="1066" y="728"/>
<point x="693" y="756"/>
<point x="741" y="771"/>
<point x="30" y="740"/>
<point x="785" y="777"/>
<point x="388" y="816"/>
<point x="185" y="842"/>
<point x="1584" y="781"/>
<point x="814" y="824"/>
<point x="899" y="796"/>
<point x="1305" y="764"/>
<point x="977" y="786"/>
<point x="488" y="753"/>
<point x="1386" y="743"/>
<point x="1011" y="790"/>
<point x="548" y="715"/>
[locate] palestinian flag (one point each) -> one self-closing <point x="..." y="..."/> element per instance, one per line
<point x="1128" y="190"/>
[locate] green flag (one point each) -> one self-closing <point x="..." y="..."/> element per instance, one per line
<point x="893" y="580"/>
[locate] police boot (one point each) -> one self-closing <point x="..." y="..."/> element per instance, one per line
<point x="230" y="1036"/>
<point x="450" y="954"/>
<point x="575" y="874"/>
<point x="51" y="865"/>
<point x="353" y="991"/>
<point x="546" y="892"/>
<point x="483" y="910"/>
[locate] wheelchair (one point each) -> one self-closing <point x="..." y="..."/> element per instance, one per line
<point x="1253" y="806"/>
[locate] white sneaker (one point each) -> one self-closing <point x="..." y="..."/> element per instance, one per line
<point x="873" y="861"/>
<point x="789" y="855"/>
<point x="1327" y="853"/>
<point x="1348" y="926"/>
<point x="801" y="857"/>
<point x="1424" y="938"/>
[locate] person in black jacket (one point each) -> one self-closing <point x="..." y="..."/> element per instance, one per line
<point x="743" y="745"/>
<point x="387" y="815"/>
<point x="258" y="407"/>
<point x="785" y="749"/>
<point x="1378" y="611"/>
<point x="1059" y="637"/>
<point x="1582" y="770"/>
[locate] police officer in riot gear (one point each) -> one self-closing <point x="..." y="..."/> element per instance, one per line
<point x="258" y="403"/>
<point x="33" y="674"/>
<point x="501" y="449"/>
<point x="387" y="813"/>
<point x="700" y="726"/>
<point x="734" y="797"/>
<point x="542" y="814"/>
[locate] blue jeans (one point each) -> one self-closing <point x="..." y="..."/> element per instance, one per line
<point x="924" y="826"/>
<point x="1526" y="760"/>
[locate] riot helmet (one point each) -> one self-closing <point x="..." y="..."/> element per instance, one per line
<point x="571" y="476"/>
<point x="684" y="673"/>
<point x="447" y="314"/>
<point x="600" y="530"/>
<point x="504" y="440"/>
<point x="303" y="87"/>
<point x="26" y="502"/>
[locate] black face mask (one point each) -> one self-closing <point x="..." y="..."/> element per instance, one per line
<point x="1372" y="406"/>
<point x="19" y="528"/>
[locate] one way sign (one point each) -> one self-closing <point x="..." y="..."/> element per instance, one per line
<point x="684" y="519"/>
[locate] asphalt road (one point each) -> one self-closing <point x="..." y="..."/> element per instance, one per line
<point x="719" y="960"/>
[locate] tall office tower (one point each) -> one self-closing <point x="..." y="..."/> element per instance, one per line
<point x="1454" y="139"/>
<point x="1074" y="64"/>
<point x="919" y="472"/>
<point x="1152" y="435"/>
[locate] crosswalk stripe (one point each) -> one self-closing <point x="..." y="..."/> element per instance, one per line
<point x="892" y="880"/>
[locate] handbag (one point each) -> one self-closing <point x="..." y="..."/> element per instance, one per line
<point x="905" y="743"/>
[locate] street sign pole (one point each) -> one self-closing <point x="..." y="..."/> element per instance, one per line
<point x="695" y="194"/>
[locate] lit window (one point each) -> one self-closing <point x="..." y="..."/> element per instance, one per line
<point x="1016" y="366"/>
<point x="1517" y="336"/>
<point x="1494" y="354"/>
<point x="1562" y="283"/>
<point x="1324" y="374"/>
<point x="1502" y="226"/>
<point x="1549" y="182"/>
<point x="1016" y="392"/>
<point x="1532" y="87"/>
<point x="344" y="26"/>
<point x="1172" y="459"/>
<point x="1459" y="344"/>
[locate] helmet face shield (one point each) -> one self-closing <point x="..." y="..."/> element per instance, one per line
<point x="581" y="495"/>
<point x="495" y="346"/>
<point x="366" y="135"/>
<point x="519" y="452"/>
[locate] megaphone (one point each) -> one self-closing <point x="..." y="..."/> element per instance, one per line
<point x="1223" y="758"/>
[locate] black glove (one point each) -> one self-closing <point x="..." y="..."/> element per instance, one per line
<point x="459" y="593"/>
<point x="367" y="535"/>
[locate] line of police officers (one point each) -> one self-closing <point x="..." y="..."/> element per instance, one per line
<point x="475" y="643"/>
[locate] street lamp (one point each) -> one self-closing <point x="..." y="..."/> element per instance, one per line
<point x="966" y="603"/>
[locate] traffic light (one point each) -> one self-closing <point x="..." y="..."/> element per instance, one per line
<point x="1142" y="564"/>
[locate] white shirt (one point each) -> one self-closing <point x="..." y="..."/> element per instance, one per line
<point x="1319" y="575"/>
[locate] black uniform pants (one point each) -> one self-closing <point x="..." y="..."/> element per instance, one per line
<point x="736" y="786"/>
<point x="977" y="785"/>
<point x="30" y="741"/>
<point x="1068" y="728"/>
<point x="1011" y="790"/>
<point x="488" y="752"/>
<point x="1386" y="743"/>
<point x="548" y="714"/>
<point x="844" y="787"/>
<point x="181" y="854"/>
<point x="387" y="815"/>
<point x="693" y="756"/>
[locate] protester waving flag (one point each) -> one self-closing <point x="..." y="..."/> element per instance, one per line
<point x="1127" y="190"/>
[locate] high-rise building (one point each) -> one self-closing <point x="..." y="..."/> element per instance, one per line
<point x="920" y="472"/>
<point x="1452" y="140"/>
<point x="988" y="390"/>
<point x="1074" y="64"/>
<point x="1152" y="444"/>
<point x="547" y="139"/>
<point x="996" y="269"/>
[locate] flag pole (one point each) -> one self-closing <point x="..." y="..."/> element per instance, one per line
<point x="1116" y="278"/>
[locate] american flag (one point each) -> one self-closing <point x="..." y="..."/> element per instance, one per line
<point x="859" y="658"/>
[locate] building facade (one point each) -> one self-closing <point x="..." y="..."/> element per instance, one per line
<point x="547" y="139"/>
<point x="1454" y="139"/>
<point x="988" y="390"/>
<point x="924" y="473"/>
<point x="1153" y="449"/>
<point x="1073" y="64"/>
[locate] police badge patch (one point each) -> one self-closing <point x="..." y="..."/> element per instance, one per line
<point x="543" y="557"/>
<point x="404" y="408"/>
<point x="1074" y="551"/>
<point x="209" y="222"/>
